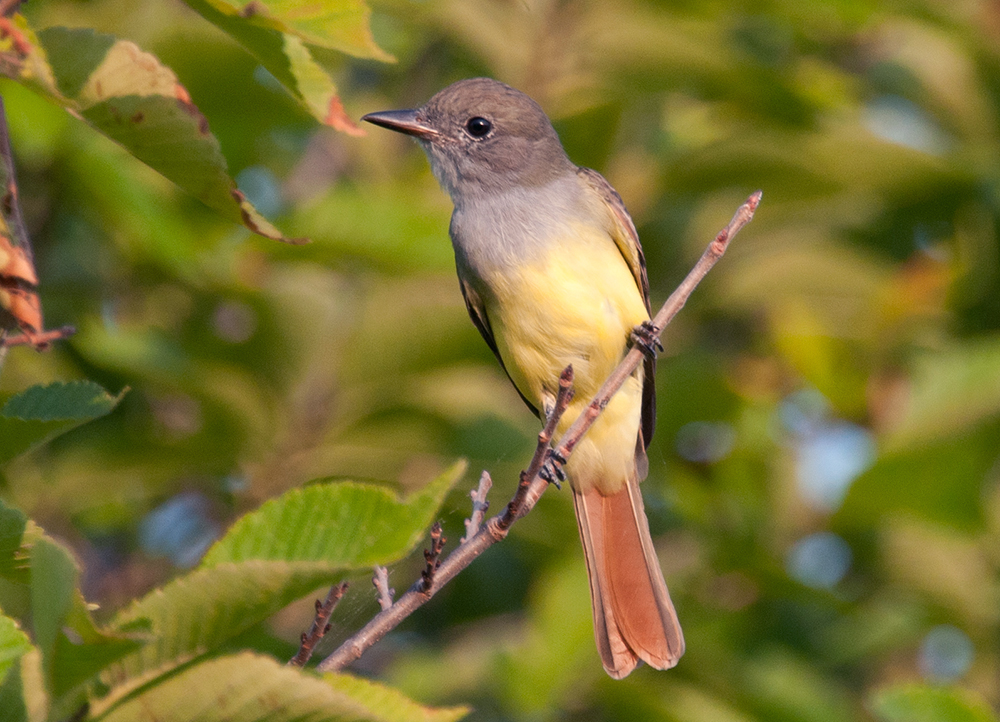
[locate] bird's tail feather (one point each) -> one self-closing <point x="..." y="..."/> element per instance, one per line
<point x="634" y="618"/>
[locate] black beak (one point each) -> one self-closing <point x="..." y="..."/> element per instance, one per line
<point x="402" y="121"/>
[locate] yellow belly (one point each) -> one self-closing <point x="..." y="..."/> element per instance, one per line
<point x="576" y="305"/>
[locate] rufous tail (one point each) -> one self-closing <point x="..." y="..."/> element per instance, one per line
<point x="634" y="618"/>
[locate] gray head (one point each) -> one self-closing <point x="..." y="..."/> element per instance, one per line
<point x="482" y="136"/>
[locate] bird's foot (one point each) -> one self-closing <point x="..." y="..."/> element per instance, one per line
<point x="644" y="336"/>
<point x="552" y="470"/>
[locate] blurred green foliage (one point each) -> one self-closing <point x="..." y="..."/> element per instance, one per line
<point x="824" y="481"/>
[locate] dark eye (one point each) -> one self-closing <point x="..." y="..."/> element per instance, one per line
<point x="479" y="127"/>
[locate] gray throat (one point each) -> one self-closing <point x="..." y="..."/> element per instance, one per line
<point x="493" y="232"/>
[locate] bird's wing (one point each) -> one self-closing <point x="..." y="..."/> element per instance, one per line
<point x="627" y="240"/>
<point x="477" y="312"/>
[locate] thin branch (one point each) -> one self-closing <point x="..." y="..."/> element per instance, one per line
<point x="563" y="398"/>
<point x="433" y="557"/>
<point x="480" y="505"/>
<point x="38" y="340"/>
<point x="9" y="7"/>
<point x="381" y="582"/>
<point x="532" y="485"/>
<point x="320" y="625"/>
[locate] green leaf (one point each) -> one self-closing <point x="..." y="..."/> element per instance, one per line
<point x="13" y="644"/>
<point x="336" y="24"/>
<point x="198" y="612"/>
<point x="14" y="564"/>
<point x="22" y="692"/>
<point x="40" y="413"/>
<point x="914" y="703"/>
<point x="73" y="648"/>
<point x="83" y="651"/>
<point x="129" y="96"/>
<point x="387" y="703"/>
<point x="42" y="579"/>
<point x="345" y="523"/>
<point x="284" y="37"/>
<point x="249" y="687"/>
<point x="53" y="581"/>
<point x="289" y="547"/>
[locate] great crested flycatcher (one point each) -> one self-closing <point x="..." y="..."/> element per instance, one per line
<point x="552" y="273"/>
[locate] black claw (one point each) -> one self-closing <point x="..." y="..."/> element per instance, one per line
<point x="644" y="337"/>
<point x="552" y="470"/>
<point x="546" y="473"/>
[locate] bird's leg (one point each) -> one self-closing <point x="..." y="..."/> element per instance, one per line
<point x="644" y="336"/>
<point x="552" y="468"/>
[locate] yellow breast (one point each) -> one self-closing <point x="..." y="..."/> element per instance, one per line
<point x="576" y="304"/>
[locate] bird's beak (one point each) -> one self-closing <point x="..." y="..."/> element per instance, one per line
<point x="402" y="121"/>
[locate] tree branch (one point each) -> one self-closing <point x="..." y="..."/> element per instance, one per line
<point x="532" y="485"/>
<point x="381" y="582"/>
<point x="432" y="557"/>
<point x="320" y="625"/>
<point x="479" y="506"/>
<point x="38" y="340"/>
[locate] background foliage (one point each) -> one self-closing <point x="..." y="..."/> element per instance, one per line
<point x="823" y="482"/>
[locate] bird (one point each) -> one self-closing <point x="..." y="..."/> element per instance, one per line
<point x="552" y="272"/>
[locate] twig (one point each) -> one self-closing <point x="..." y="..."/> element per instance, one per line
<point x="38" y="340"/>
<point x="381" y="582"/>
<point x="515" y="508"/>
<point x="9" y="7"/>
<point x="479" y="506"/>
<point x="489" y="534"/>
<point x="531" y="485"/>
<point x="320" y="625"/>
<point x="433" y="557"/>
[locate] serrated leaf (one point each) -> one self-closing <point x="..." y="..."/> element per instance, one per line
<point x="83" y="651"/>
<point x="13" y="644"/>
<point x="53" y="580"/>
<point x="248" y="687"/>
<point x="73" y="648"/>
<point x="348" y="524"/>
<point x="914" y="703"/>
<point x="201" y="610"/>
<point x="386" y="703"/>
<point x="40" y="413"/>
<point x="42" y="578"/>
<point x="235" y="590"/>
<point x="129" y="96"/>
<point x="283" y="35"/>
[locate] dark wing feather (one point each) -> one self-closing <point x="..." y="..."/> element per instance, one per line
<point x="627" y="240"/>
<point x="477" y="312"/>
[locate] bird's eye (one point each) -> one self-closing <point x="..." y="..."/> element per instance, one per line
<point x="479" y="127"/>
